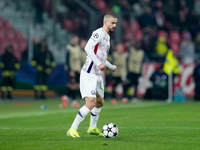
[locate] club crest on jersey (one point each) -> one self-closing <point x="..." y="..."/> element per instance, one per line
<point x="107" y="51"/>
<point x="96" y="35"/>
<point x="93" y="92"/>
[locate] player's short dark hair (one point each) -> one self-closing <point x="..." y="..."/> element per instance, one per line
<point x="109" y="15"/>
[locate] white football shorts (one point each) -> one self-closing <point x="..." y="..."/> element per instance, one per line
<point x="91" y="85"/>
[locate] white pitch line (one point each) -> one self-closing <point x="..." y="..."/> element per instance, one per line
<point x="65" y="111"/>
<point x="137" y="105"/>
<point x="120" y="127"/>
<point x="37" y="114"/>
<point x="163" y="128"/>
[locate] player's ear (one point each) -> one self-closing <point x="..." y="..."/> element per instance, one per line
<point x="104" y="22"/>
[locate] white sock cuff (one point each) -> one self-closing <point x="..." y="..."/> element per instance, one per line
<point x="84" y="111"/>
<point x="96" y="110"/>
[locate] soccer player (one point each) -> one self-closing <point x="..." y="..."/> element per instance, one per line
<point x="91" y="77"/>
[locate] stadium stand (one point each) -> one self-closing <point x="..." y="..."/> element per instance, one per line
<point x="22" y="21"/>
<point x="9" y="34"/>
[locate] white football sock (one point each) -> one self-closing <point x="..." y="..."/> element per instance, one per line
<point x="94" y="116"/>
<point x="82" y="113"/>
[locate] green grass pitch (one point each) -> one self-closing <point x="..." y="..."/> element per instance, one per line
<point x="145" y="125"/>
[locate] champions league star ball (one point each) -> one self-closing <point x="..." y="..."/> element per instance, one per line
<point x="110" y="130"/>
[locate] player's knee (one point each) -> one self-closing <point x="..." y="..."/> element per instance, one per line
<point x="90" y="103"/>
<point x="99" y="104"/>
<point x="102" y="103"/>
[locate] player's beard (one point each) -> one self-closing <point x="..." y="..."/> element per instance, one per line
<point x="111" y="30"/>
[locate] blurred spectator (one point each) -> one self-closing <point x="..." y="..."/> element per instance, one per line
<point x="197" y="26"/>
<point x="9" y="65"/>
<point x="83" y="53"/>
<point x="135" y="62"/>
<point x="149" y="41"/>
<point x="138" y="9"/>
<point x="159" y="89"/>
<point x="187" y="49"/>
<point x="197" y="44"/>
<point x="147" y="19"/>
<point x="196" y="7"/>
<point x="120" y="60"/>
<point x="170" y="11"/>
<point x="159" y="15"/>
<point x="60" y="9"/>
<point x="73" y="67"/>
<point x="39" y="9"/>
<point x="43" y="61"/>
<point x="183" y="16"/>
<point x="125" y="7"/>
<point x="196" y="75"/>
<point x="36" y="46"/>
<point x="192" y="22"/>
<point x="161" y="48"/>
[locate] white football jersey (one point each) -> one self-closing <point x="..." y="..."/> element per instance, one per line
<point x="99" y="43"/>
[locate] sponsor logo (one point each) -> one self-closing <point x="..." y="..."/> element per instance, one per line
<point x="93" y="92"/>
<point x="108" y="48"/>
<point x="96" y="35"/>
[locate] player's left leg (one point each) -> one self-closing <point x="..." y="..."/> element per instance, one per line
<point x="94" y="118"/>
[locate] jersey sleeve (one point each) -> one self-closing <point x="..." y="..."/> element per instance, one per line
<point x="95" y="38"/>
<point x="90" y="46"/>
<point x="109" y="65"/>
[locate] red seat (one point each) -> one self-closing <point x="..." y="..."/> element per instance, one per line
<point x="2" y="46"/>
<point x="135" y="25"/>
<point x="1" y="35"/>
<point x="17" y="55"/>
<point x="22" y="45"/>
<point x="1" y="25"/>
<point x="15" y="45"/>
<point x="15" y="38"/>
<point x="19" y="36"/>
<point x="127" y="33"/>
<point x="174" y="37"/>
<point x="47" y="5"/>
<point x="174" y="47"/>
<point x="162" y="33"/>
<point x="183" y="34"/>
<point x="9" y="35"/>
<point x="125" y="23"/>
<point x="102" y="5"/>
<point x="68" y="25"/>
<point x="1" y="18"/>
<point x="7" y="25"/>
<point x="138" y="35"/>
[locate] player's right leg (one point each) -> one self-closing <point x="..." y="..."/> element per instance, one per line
<point x="82" y="113"/>
<point x="88" y="91"/>
<point x="73" y="133"/>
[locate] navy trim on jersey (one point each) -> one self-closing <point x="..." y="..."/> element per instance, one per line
<point x="80" y="114"/>
<point x="90" y="67"/>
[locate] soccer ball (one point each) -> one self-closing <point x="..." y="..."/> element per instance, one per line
<point x="110" y="130"/>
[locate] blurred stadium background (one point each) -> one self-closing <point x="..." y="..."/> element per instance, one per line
<point x="25" y="23"/>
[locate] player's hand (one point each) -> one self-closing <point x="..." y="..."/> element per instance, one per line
<point x="102" y="67"/>
<point x="114" y="70"/>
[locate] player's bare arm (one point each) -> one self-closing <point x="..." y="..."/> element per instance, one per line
<point x="114" y="70"/>
<point x="102" y="67"/>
